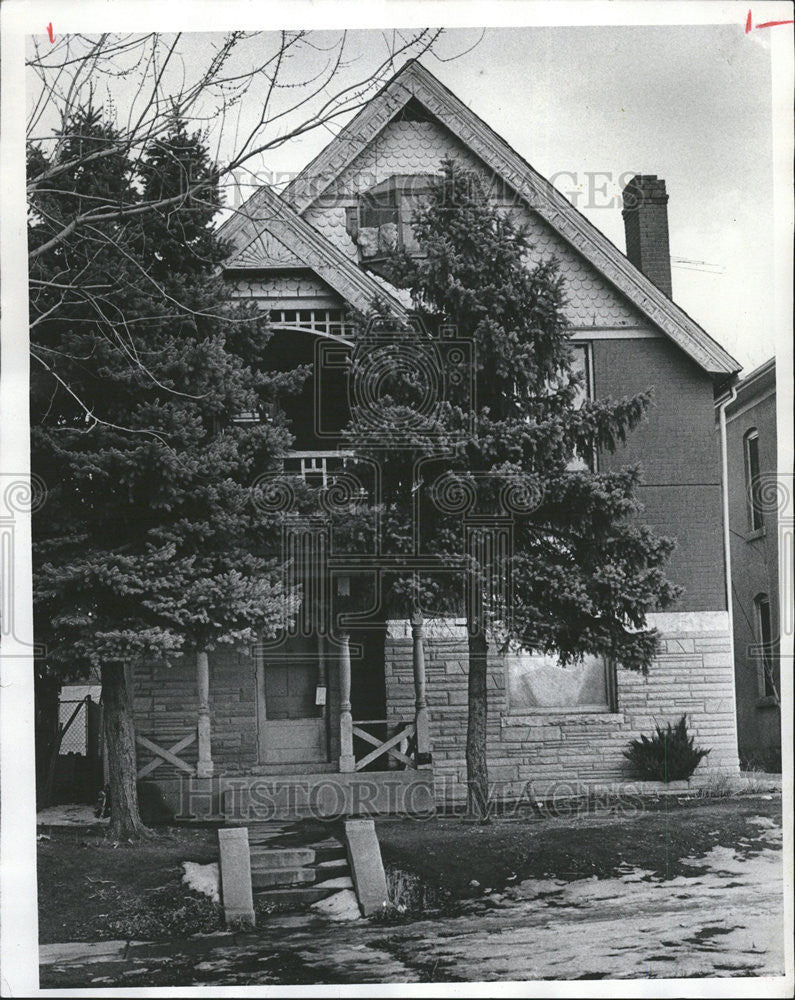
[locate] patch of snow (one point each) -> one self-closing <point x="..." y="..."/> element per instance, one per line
<point x="71" y="814"/>
<point x="720" y="859"/>
<point x="723" y="920"/>
<point x="342" y="905"/>
<point x="202" y="878"/>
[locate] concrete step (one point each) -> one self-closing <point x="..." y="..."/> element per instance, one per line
<point x="281" y="857"/>
<point x="292" y="835"/>
<point x="272" y="877"/>
<point x="262" y="833"/>
<point x="303" y="895"/>
<point x="329" y="869"/>
<point x="328" y="855"/>
<point x="338" y="882"/>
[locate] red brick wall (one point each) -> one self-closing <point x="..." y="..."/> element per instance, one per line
<point x="679" y="452"/>
<point x="754" y="571"/>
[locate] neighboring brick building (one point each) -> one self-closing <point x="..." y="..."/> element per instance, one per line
<point x="314" y="712"/>
<point x="754" y="508"/>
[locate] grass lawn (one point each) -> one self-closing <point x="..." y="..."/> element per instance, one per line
<point x="90" y="889"/>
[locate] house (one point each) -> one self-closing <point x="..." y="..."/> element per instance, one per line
<point x="375" y="717"/>
<point x="754" y="511"/>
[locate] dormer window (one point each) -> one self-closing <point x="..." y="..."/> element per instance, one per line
<point x="382" y="220"/>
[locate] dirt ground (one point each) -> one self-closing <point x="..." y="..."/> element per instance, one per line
<point x="90" y="889"/>
<point x="450" y="853"/>
<point x="632" y="917"/>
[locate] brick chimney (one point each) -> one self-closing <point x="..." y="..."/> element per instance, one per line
<point x="646" y="226"/>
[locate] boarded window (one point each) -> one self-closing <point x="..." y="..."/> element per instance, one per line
<point x="538" y="682"/>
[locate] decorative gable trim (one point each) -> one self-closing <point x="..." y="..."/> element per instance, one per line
<point x="266" y="219"/>
<point x="414" y="81"/>
<point x="265" y="252"/>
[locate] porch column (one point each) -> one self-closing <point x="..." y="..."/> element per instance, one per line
<point x="347" y="760"/>
<point x="204" y="767"/>
<point x="421" y="710"/>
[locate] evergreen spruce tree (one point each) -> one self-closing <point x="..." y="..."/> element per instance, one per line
<point x="149" y="546"/>
<point x="584" y="571"/>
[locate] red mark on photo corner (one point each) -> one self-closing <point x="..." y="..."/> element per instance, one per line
<point x="49" y="32"/>
<point x="749" y="24"/>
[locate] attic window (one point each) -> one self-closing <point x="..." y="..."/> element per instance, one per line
<point x="386" y="213"/>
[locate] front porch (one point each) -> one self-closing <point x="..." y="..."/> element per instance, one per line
<point x="317" y="752"/>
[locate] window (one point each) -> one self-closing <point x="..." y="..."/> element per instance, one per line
<point x="764" y="653"/>
<point x="582" y="365"/>
<point x="321" y="321"/>
<point x="386" y="213"/>
<point x="539" y="683"/>
<point x="755" y="518"/>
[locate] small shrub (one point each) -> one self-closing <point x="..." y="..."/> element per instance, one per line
<point x="410" y="897"/>
<point x="720" y="786"/>
<point x="669" y="755"/>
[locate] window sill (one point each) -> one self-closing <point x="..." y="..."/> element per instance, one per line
<point x="768" y="701"/>
<point x="757" y="533"/>
<point x="550" y="716"/>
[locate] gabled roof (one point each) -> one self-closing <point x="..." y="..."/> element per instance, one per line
<point x="414" y="81"/>
<point x="267" y="234"/>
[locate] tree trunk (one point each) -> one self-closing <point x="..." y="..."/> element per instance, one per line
<point x="477" y="768"/>
<point x="125" y="818"/>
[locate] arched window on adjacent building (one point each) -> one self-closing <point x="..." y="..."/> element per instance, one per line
<point x="751" y="443"/>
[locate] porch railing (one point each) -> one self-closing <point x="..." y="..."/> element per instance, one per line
<point x="415" y="734"/>
<point x="316" y="468"/>
<point x="406" y="734"/>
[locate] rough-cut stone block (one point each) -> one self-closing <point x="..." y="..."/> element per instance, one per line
<point x="235" y="869"/>
<point x="367" y="868"/>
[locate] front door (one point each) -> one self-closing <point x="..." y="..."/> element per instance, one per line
<point x="292" y="726"/>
